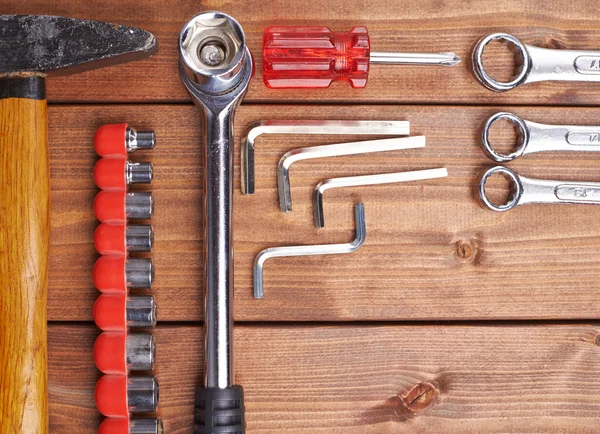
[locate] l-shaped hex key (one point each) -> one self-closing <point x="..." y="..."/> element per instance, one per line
<point x="283" y="169"/>
<point x="355" y="181"/>
<point x="318" y="249"/>
<point x="329" y="127"/>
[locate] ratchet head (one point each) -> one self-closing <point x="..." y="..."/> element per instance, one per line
<point x="214" y="58"/>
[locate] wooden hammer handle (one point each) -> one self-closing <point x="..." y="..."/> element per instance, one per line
<point x="24" y="243"/>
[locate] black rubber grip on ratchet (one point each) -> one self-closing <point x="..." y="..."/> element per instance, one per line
<point x="216" y="67"/>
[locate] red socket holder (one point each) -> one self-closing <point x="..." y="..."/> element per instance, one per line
<point x="115" y="350"/>
<point x="110" y="239"/>
<point x="110" y="174"/>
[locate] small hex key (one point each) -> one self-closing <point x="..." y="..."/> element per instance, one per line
<point x="318" y="249"/>
<point x="335" y="127"/>
<point x="352" y="148"/>
<point x="356" y="181"/>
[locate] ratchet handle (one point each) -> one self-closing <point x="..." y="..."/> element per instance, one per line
<point x="219" y="410"/>
<point x="314" y="57"/>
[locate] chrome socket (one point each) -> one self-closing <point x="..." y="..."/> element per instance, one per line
<point x="139" y="273"/>
<point x="138" y="173"/>
<point x="146" y="426"/>
<point x="139" y="238"/>
<point x="140" y="352"/>
<point x="135" y="140"/>
<point x="139" y="205"/>
<point x="140" y="311"/>
<point x="142" y="394"/>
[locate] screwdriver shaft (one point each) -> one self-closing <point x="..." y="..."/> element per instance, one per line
<point x="442" y="59"/>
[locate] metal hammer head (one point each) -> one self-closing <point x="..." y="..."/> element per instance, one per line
<point x="60" y="46"/>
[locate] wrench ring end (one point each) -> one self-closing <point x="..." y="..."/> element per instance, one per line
<point x="513" y="179"/>
<point x="485" y="78"/>
<point x="522" y="140"/>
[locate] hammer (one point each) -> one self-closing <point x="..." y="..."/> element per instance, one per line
<point x="33" y="47"/>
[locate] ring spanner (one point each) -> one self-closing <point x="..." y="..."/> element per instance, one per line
<point x="529" y="190"/>
<point x="537" y="64"/>
<point x="216" y="67"/>
<point x="534" y="137"/>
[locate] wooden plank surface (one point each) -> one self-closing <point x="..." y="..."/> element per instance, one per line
<point x="432" y="251"/>
<point x="364" y="380"/>
<point x="425" y="26"/>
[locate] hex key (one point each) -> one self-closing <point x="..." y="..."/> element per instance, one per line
<point x="390" y="128"/>
<point x="318" y="249"/>
<point x="356" y="181"/>
<point x="283" y="169"/>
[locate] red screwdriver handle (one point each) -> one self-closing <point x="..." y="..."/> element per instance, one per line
<point x="313" y="57"/>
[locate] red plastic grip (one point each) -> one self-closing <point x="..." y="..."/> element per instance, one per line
<point x="109" y="206"/>
<point x="109" y="352"/>
<point x="110" y="239"/>
<point x="109" y="274"/>
<point x="114" y="425"/>
<point x="314" y="57"/>
<point x="109" y="174"/>
<point x="111" y="395"/>
<point x="109" y="140"/>
<point x="109" y="312"/>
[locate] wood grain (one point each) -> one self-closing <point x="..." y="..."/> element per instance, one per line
<point x="24" y="242"/>
<point x="432" y="251"/>
<point x="424" y="26"/>
<point x="363" y="379"/>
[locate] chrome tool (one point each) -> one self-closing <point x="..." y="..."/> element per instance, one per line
<point x="321" y="127"/>
<point x="529" y="190"/>
<point x="352" y="148"/>
<point x="215" y="67"/>
<point x="533" y="137"/>
<point x="319" y="249"/>
<point x="356" y="181"/>
<point x="537" y="64"/>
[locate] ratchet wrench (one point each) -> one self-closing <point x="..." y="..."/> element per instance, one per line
<point x="533" y="137"/>
<point x="215" y="67"/>
<point x="529" y="190"/>
<point x="537" y="64"/>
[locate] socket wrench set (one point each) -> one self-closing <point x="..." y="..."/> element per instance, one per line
<point x="215" y="66"/>
<point x="125" y="351"/>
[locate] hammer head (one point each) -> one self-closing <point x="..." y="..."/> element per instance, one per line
<point x="60" y="46"/>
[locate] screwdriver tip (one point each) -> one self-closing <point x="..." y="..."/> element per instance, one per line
<point x="451" y="59"/>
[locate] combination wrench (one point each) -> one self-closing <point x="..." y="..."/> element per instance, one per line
<point x="528" y="190"/>
<point x="533" y="137"/>
<point x="537" y="64"/>
<point x="215" y="67"/>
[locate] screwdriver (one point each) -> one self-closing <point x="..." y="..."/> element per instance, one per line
<point x="314" y="57"/>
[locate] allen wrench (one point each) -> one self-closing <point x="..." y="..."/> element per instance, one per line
<point x="335" y="127"/>
<point x="338" y="149"/>
<point x="317" y="249"/>
<point x="356" y="181"/>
